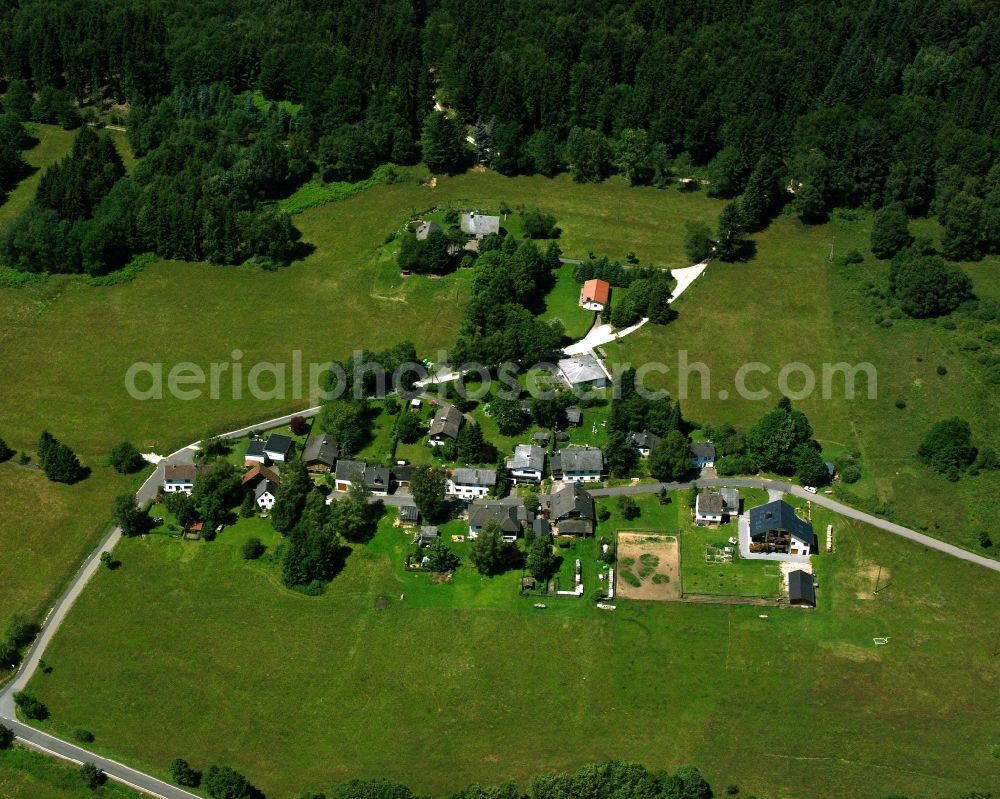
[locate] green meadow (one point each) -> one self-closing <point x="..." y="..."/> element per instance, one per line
<point x="30" y="775"/>
<point x="463" y="680"/>
<point x="791" y="304"/>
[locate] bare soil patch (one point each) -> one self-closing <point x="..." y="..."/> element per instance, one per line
<point x="648" y="567"/>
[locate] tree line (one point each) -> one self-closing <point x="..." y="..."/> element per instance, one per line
<point x="818" y="105"/>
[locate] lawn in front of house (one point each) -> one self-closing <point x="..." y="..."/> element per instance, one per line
<point x="563" y="303"/>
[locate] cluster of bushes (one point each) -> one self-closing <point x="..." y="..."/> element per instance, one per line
<point x="500" y="322"/>
<point x="781" y="441"/>
<point x="19" y="632"/>
<point x="948" y="450"/>
<point x="632" y="412"/>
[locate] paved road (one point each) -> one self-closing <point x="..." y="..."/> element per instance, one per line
<point x="137" y="780"/>
<point x="819" y="499"/>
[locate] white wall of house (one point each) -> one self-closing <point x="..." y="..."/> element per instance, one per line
<point x="266" y="501"/>
<point x="173" y="486"/>
<point x="581" y="477"/>
<point x="592" y="306"/>
<point x="798" y="547"/>
<point x="708" y="518"/>
<point x="463" y="491"/>
<point x="526" y="475"/>
<point x="255" y="459"/>
<point x="703" y="463"/>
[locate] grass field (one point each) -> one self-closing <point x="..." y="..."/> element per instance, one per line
<point x="464" y="681"/>
<point x="30" y="775"/>
<point x="791" y="305"/>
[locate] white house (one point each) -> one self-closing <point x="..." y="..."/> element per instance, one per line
<point x="703" y="455"/>
<point x="265" y="494"/>
<point x="470" y="484"/>
<point x="578" y="464"/>
<point x="711" y="508"/>
<point x="527" y="464"/>
<point x="594" y="295"/>
<point x="180" y="477"/>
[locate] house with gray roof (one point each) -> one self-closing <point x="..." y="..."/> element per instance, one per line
<point x="180" y="477"/>
<point x="445" y="425"/>
<point x="775" y="528"/>
<point x="409" y="514"/>
<point x="703" y="455"/>
<point x="577" y="464"/>
<point x="373" y="477"/>
<point x="574" y="416"/>
<point x="716" y="508"/>
<point x="644" y="441"/>
<point x="320" y="453"/>
<point x="503" y="513"/>
<point x="255" y="452"/>
<point x="479" y="226"/>
<point x="279" y="447"/>
<point x="469" y="484"/>
<point x="426" y="536"/>
<point x="570" y="509"/>
<point x="583" y="371"/>
<point x="527" y="464"/>
<point x="424" y="229"/>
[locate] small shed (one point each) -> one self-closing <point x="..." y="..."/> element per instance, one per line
<point x="801" y="589"/>
<point x="409" y="514"/>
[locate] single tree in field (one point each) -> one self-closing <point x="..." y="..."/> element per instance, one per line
<point x="182" y="773"/>
<point x="57" y="460"/>
<point x="125" y="458"/>
<point x="628" y="508"/>
<point x="428" y="488"/>
<point x="92" y="776"/>
<point x="222" y="782"/>
<point x="441" y="558"/>
<point x="948" y="447"/>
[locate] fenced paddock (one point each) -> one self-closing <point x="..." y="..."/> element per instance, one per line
<point x="648" y="566"/>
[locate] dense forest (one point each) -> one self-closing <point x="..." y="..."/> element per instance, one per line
<point x="821" y="104"/>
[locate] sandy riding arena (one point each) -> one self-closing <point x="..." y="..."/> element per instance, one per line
<point x="648" y="567"/>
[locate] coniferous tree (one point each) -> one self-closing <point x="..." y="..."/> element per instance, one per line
<point x="443" y="143"/>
